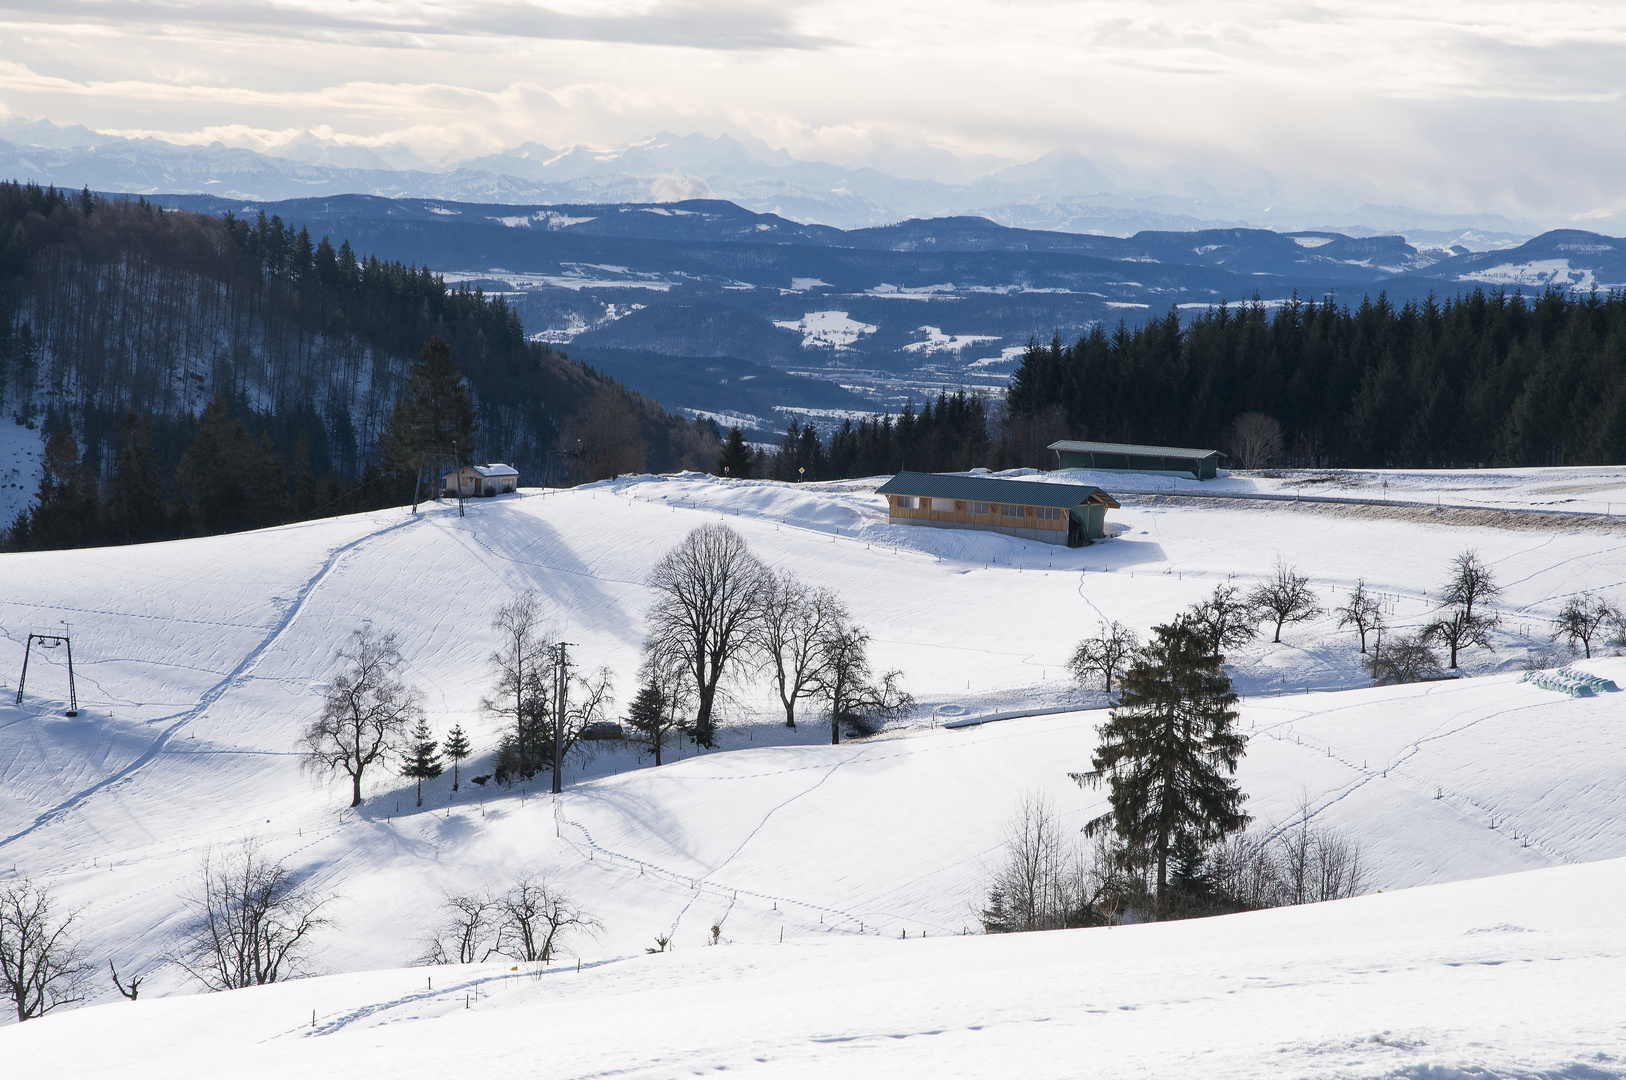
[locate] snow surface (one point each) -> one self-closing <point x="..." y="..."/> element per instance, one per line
<point x="1520" y="976"/>
<point x="827" y="329"/>
<point x="1593" y="489"/>
<point x="22" y="452"/>
<point x="199" y="662"/>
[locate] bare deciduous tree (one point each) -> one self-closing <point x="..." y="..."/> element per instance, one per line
<point x="467" y="933"/>
<point x="1471" y="583"/>
<point x="535" y="919"/>
<point x="708" y="598"/>
<point x="1318" y="864"/>
<point x="1582" y="619"/>
<point x="1104" y="655"/>
<point x="1042" y="880"/>
<point x="252" y="920"/>
<point x="1223" y="620"/>
<point x="1283" y="598"/>
<point x="845" y="682"/>
<point x="1458" y="629"/>
<point x="366" y="710"/>
<point x="40" y="966"/>
<point x="1402" y="658"/>
<point x="1254" y="440"/>
<point x="794" y="621"/>
<point x="1362" y="611"/>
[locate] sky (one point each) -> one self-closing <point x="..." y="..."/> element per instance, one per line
<point x="1483" y="106"/>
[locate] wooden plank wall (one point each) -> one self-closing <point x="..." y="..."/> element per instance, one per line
<point x="1027" y="521"/>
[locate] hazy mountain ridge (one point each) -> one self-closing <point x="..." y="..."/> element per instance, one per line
<point x="1064" y="190"/>
<point x="894" y="312"/>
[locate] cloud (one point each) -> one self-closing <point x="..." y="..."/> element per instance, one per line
<point x="1453" y="105"/>
<point x="675" y="187"/>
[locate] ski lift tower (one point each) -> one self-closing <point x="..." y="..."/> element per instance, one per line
<point x="50" y="639"/>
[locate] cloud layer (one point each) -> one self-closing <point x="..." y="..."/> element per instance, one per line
<point x="1496" y="107"/>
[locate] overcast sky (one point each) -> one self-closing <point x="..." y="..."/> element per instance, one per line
<point x="1472" y="106"/>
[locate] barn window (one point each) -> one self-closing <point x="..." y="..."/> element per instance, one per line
<point x="1049" y="513"/>
<point x="906" y="502"/>
<point x="943" y="506"/>
<point x="1007" y="510"/>
<point x="977" y="508"/>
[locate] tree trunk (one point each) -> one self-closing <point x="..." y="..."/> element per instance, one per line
<point x="790" y="710"/>
<point x="355" y="789"/>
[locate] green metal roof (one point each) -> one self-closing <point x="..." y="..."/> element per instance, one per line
<point x="1130" y="448"/>
<point x="989" y="489"/>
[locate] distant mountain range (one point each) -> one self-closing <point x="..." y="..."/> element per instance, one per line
<point x="1063" y="191"/>
<point x="711" y="307"/>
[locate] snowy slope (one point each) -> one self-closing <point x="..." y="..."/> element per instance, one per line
<point x="199" y="663"/>
<point x="1519" y="976"/>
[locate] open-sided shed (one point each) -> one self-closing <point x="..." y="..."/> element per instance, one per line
<point x="1070" y="514"/>
<point x="1129" y="457"/>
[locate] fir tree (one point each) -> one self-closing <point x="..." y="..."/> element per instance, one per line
<point x="435" y="415"/>
<point x="422" y="760"/>
<point x="735" y="460"/>
<point x="1169" y="751"/>
<point x="136" y="504"/>
<point x="648" y="715"/>
<point x="456" y="747"/>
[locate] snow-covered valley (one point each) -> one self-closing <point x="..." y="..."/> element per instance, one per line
<point x="199" y="663"/>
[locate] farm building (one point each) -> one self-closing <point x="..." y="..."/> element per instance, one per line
<point x="1126" y="457"/>
<point x="474" y="481"/>
<point x="1070" y="514"/>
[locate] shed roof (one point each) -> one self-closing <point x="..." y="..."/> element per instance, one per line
<point x="993" y="489"/>
<point x="1130" y="448"/>
<point x="496" y="468"/>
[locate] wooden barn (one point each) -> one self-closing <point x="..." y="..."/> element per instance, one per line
<point x="1070" y="514"/>
<point x="477" y="481"/>
<point x="1127" y="457"/>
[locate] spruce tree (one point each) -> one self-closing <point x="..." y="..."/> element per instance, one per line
<point x="457" y="748"/>
<point x="136" y="504"/>
<point x="735" y="460"/>
<point x="1169" y="751"/>
<point x="433" y="416"/>
<point x="422" y="761"/>
<point x="647" y="715"/>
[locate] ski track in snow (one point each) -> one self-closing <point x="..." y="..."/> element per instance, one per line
<point x="237" y="675"/>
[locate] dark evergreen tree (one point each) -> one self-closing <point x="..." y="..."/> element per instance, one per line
<point x="735" y="459"/>
<point x="456" y="748"/>
<point x="66" y="511"/>
<point x="135" y="506"/>
<point x="435" y="416"/>
<point x="422" y="759"/>
<point x="1169" y="752"/>
<point x="649" y="717"/>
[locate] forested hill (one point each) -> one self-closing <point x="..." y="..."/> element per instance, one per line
<point x="1481" y="379"/>
<point x="112" y="307"/>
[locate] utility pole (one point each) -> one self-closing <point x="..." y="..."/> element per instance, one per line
<point x="561" y="684"/>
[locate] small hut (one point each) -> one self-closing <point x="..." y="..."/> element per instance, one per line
<point x="1070" y="514"/>
<point x="478" y="481"/>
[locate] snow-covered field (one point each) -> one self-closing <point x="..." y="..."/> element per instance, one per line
<point x="199" y="663"/>
<point x="1599" y="489"/>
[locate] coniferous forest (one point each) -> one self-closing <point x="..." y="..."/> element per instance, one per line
<point x="165" y="354"/>
<point x="1484" y="379"/>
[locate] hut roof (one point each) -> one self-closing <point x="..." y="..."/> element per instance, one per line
<point x="1130" y="448"/>
<point x="994" y="489"/>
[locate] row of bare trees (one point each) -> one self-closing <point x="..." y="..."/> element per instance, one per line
<point x="719" y="611"/>
<point x="250" y="922"/>
<point x="1048" y="877"/>
<point x="1462" y="618"/>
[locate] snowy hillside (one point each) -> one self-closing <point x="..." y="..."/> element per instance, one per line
<point x="199" y="662"/>
<point x="1519" y="976"/>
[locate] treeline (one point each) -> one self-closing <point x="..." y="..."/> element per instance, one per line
<point x="1484" y="379"/>
<point x="112" y="309"/>
<point x="957" y="432"/>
